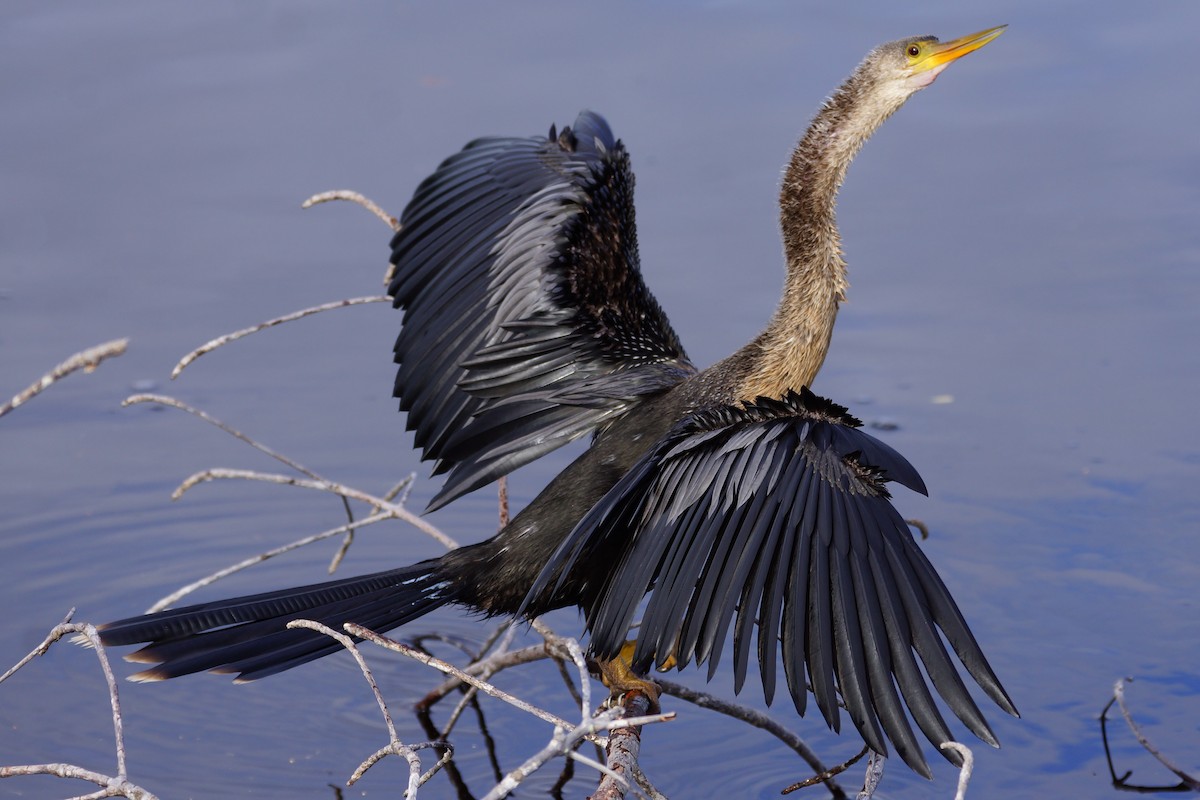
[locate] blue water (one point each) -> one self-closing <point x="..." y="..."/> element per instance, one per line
<point x="1022" y="238"/>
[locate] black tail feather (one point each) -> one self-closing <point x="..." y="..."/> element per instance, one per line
<point x="249" y="635"/>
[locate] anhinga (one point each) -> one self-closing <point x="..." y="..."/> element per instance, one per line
<point x="733" y="495"/>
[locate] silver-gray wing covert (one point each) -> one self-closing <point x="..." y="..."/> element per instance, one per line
<point x="775" y="515"/>
<point x="527" y="323"/>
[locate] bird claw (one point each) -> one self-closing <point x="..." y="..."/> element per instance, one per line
<point x="618" y="675"/>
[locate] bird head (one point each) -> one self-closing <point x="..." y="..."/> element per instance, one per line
<point x="893" y="72"/>
<point x="919" y="60"/>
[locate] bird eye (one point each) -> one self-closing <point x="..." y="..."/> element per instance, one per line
<point x="914" y="50"/>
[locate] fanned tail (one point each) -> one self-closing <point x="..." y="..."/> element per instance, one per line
<point x="249" y="635"/>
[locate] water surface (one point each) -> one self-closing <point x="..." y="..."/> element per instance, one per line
<point x="1021" y="238"/>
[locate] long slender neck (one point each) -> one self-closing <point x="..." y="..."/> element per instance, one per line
<point x="788" y="354"/>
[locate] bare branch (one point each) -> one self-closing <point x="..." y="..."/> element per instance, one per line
<point x="623" y="748"/>
<point x="171" y="402"/>
<point x="873" y="776"/>
<point x="755" y="718"/>
<point x="86" y="360"/>
<point x="450" y="669"/>
<point x="826" y="776"/>
<point x="399" y="512"/>
<point x="118" y="786"/>
<point x="175" y="596"/>
<point x="560" y="744"/>
<point x="394" y="746"/>
<point x="209" y="346"/>
<point x="968" y="766"/>
<point x="1186" y="781"/>
<point x="502" y="494"/>
<point x="402" y="489"/>
<point x="486" y="668"/>
<point x="356" y="198"/>
<point x="566" y="737"/>
<point x="55" y="634"/>
<point x="113" y="787"/>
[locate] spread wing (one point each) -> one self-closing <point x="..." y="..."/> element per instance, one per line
<point x="527" y="323"/>
<point x="775" y="515"/>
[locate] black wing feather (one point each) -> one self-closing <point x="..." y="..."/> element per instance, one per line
<point x="517" y="267"/>
<point x="776" y="514"/>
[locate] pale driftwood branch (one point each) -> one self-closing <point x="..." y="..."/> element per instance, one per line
<point x="86" y="360"/>
<point x="220" y="341"/>
<point x="968" y="766"/>
<point x="624" y="745"/>
<point x="353" y="197"/>
<point x="873" y="776"/>
<point x="755" y="718"/>
<point x="487" y="667"/>
<point x="55" y="634"/>
<point x="113" y="786"/>
<point x="171" y="402"/>
<point x="566" y="737"/>
<point x="399" y="493"/>
<point x="175" y="596"/>
<point x="1186" y="781"/>
<point x="402" y="488"/>
<point x="502" y="495"/>
<point x="450" y="669"/>
<point x="362" y="200"/>
<point x="560" y="744"/>
<point x="399" y="512"/>
<point x="576" y="652"/>
<point x="501" y="638"/>
<point x="394" y="747"/>
<point x="564" y="741"/>
<point x="118" y="786"/>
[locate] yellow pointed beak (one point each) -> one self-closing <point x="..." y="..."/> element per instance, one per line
<point x="941" y="53"/>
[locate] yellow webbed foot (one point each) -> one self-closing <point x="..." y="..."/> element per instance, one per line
<point x="618" y="675"/>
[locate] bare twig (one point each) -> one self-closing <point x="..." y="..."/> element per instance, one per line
<point x="394" y="746"/>
<point x="171" y="402"/>
<point x="209" y="346"/>
<point x="826" y="776"/>
<point x="1187" y="783"/>
<point x="919" y="525"/>
<point x="399" y="512"/>
<point x="561" y="743"/>
<point x="86" y="360"/>
<point x="175" y="596"/>
<point x="485" y="668"/>
<point x="968" y="766"/>
<point x="502" y="494"/>
<point x="755" y="718"/>
<point x="566" y="737"/>
<point x="118" y="786"/>
<point x="622" y="753"/>
<point x="356" y="198"/>
<point x="55" y="634"/>
<point x="873" y="776"/>
<point x="450" y="669"/>
<point x="401" y="490"/>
